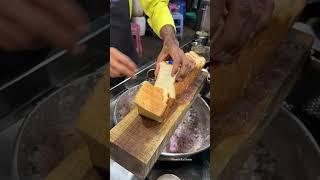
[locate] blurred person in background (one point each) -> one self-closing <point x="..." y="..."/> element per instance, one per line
<point x="233" y="22"/>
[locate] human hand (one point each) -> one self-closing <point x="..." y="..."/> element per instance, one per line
<point x="120" y="64"/>
<point x="234" y="22"/>
<point x="26" y="24"/>
<point x="181" y="65"/>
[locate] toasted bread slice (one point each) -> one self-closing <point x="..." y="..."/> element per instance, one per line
<point x="151" y="101"/>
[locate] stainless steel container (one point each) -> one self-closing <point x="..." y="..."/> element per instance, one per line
<point x="202" y="37"/>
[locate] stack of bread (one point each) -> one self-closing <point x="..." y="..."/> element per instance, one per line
<point x="153" y="100"/>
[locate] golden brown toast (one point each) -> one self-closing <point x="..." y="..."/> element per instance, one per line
<point x="151" y="101"/>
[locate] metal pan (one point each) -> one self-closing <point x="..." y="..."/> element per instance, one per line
<point x="286" y="151"/>
<point x="49" y="134"/>
<point x="191" y="137"/>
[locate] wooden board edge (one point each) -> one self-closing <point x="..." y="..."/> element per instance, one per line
<point x="139" y="168"/>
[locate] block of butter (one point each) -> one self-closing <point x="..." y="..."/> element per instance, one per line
<point x="151" y="101"/>
<point x="165" y="80"/>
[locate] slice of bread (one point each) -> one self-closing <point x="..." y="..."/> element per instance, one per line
<point x="151" y="101"/>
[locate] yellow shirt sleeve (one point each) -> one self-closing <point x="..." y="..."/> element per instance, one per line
<point x="158" y="13"/>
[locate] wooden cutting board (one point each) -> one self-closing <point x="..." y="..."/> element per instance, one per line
<point x="136" y="142"/>
<point x="231" y="80"/>
<point x="237" y="131"/>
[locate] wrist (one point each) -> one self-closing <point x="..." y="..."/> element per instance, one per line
<point x="168" y="35"/>
<point x="171" y="42"/>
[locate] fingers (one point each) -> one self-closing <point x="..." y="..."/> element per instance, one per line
<point x="123" y="59"/>
<point x="177" y="62"/>
<point x="239" y="25"/>
<point x="161" y="57"/>
<point x="12" y="36"/>
<point x="186" y="67"/>
<point x="119" y="69"/>
<point x="215" y="35"/>
<point x="52" y="30"/>
<point x="66" y="10"/>
<point x="156" y="72"/>
<point x="217" y="8"/>
<point x="266" y="16"/>
<point x="230" y="36"/>
<point x="114" y="73"/>
<point x="181" y="65"/>
<point x="250" y="26"/>
<point x="18" y="37"/>
<point x="44" y="24"/>
<point x="6" y="44"/>
<point x="182" y="72"/>
<point x="120" y="64"/>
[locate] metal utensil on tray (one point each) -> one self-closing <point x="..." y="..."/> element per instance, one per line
<point x="151" y="77"/>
